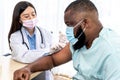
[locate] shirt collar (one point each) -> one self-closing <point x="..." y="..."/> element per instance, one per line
<point x="28" y="34"/>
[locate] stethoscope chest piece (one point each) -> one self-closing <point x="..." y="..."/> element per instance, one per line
<point x="42" y="45"/>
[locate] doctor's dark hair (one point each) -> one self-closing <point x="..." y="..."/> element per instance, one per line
<point x="81" y="6"/>
<point x="19" y="8"/>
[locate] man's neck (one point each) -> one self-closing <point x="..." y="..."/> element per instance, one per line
<point x="97" y="30"/>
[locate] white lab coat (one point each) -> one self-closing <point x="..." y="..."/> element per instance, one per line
<point x="20" y="51"/>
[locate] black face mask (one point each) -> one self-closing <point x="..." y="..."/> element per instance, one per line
<point x="81" y="39"/>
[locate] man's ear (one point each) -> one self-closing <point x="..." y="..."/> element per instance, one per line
<point x="85" y="23"/>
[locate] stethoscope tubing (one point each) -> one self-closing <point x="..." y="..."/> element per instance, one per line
<point x="23" y="41"/>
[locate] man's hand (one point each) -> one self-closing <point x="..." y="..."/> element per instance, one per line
<point x="22" y="74"/>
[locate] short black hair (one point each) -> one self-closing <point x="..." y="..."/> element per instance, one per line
<point x="82" y="6"/>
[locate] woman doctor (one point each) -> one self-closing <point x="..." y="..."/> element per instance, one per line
<point x="27" y="41"/>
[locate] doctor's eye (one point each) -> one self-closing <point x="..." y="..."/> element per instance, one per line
<point x="26" y="17"/>
<point x="33" y="14"/>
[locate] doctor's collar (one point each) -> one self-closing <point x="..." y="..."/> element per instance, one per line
<point x="27" y="33"/>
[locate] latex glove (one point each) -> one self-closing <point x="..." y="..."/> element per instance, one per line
<point x="56" y="47"/>
<point x="60" y="45"/>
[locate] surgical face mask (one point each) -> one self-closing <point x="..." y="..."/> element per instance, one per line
<point x="70" y="35"/>
<point x="30" y="23"/>
<point x="78" y="40"/>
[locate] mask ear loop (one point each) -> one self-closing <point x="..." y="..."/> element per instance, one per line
<point x="83" y="29"/>
<point x="81" y="33"/>
<point x="78" y="23"/>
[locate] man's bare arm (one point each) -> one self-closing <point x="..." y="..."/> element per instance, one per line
<point x="51" y="61"/>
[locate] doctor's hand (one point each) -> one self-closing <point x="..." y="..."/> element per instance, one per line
<point x="22" y="74"/>
<point x="56" y="47"/>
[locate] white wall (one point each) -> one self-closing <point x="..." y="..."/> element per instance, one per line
<point x="1" y="26"/>
<point x="109" y="13"/>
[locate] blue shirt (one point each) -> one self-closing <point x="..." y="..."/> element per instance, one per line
<point x="31" y="40"/>
<point x="101" y="61"/>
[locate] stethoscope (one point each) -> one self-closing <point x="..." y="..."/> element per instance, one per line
<point x="23" y="41"/>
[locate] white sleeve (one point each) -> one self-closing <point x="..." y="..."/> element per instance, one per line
<point x="21" y="53"/>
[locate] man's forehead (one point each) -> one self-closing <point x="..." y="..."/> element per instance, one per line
<point x="71" y="17"/>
